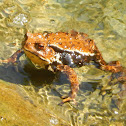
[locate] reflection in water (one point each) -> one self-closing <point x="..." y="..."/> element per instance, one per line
<point x="13" y="74"/>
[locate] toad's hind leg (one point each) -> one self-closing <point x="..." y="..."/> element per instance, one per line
<point x="73" y="80"/>
<point x="113" y="66"/>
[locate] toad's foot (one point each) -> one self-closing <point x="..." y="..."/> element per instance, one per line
<point x="66" y="99"/>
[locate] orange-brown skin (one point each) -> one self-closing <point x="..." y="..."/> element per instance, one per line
<point x="73" y="79"/>
<point x="62" y="51"/>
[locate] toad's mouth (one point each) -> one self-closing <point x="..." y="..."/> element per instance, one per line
<point x="36" y="59"/>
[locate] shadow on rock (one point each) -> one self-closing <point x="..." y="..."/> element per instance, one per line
<point x="23" y="73"/>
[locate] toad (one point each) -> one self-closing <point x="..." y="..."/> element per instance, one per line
<point x="62" y="51"/>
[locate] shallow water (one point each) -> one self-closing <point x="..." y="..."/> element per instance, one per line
<point x="104" y="21"/>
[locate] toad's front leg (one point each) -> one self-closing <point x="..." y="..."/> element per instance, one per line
<point x="14" y="58"/>
<point x="73" y="80"/>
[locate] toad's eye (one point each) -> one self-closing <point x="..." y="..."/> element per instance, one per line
<point x="39" y="46"/>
